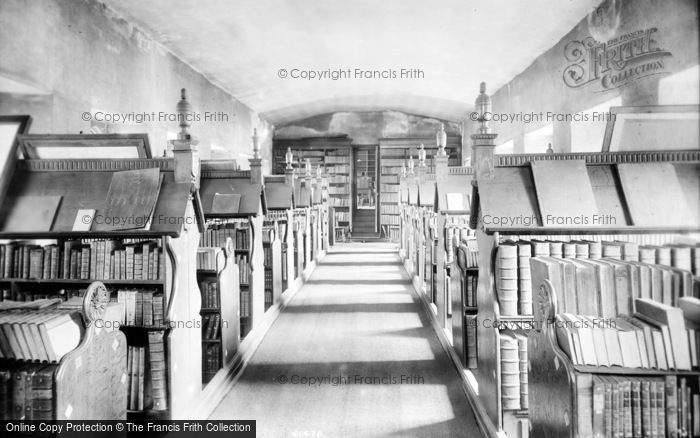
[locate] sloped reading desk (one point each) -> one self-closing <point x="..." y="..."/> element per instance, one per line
<point x="171" y="227"/>
<point x="528" y="200"/>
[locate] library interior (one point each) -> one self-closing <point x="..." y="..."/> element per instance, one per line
<point x="351" y="218"/>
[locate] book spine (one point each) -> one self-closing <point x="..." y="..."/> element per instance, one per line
<point x="156" y="355"/>
<point x="671" y="392"/>
<point x="510" y="373"/>
<point x="524" y="280"/>
<point x="507" y="279"/>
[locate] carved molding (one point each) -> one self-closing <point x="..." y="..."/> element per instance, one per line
<point x="95" y="165"/>
<point x="461" y="170"/>
<point x="602" y="157"/>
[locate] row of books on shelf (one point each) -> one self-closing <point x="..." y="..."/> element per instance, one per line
<point x="216" y="235"/>
<point x="267" y="256"/>
<point x="268" y="280"/>
<point x="389" y="209"/>
<point x="27" y="392"/>
<point x="303" y="153"/>
<point x="337" y="159"/>
<point x="656" y="337"/>
<point x="338" y="190"/>
<point x="340" y="152"/>
<point x="342" y="216"/>
<point x="471" y="353"/>
<point x="514" y="369"/>
<point x="338" y="202"/>
<point x="470" y="249"/>
<point x="392" y="162"/>
<point x="389" y="188"/>
<point x="390" y="219"/>
<point x="268" y="298"/>
<point x="141" y="308"/>
<point x="338" y="179"/>
<point x="206" y="258"/>
<point x="211" y="358"/>
<point x="211" y="326"/>
<point x="389" y="197"/>
<point x="75" y="259"/>
<point x="147" y="384"/>
<point x="633" y="406"/>
<point x="210" y="294"/>
<point x="39" y="336"/>
<point x="594" y="278"/>
<point x="341" y="169"/>
<point x="244" y="274"/>
<point x="471" y="283"/>
<point x="390" y="179"/>
<point x="245" y="303"/>
<point x="393" y="233"/>
<point x="391" y="170"/>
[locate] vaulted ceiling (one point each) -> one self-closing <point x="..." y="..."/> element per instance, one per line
<point x="242" y="45"/>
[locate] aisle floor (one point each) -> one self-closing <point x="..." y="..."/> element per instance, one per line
<point x="352" y="355"/>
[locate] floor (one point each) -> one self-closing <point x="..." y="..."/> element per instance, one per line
<point x="352" y="355"/>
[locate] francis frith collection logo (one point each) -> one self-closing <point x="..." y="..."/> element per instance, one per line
<point x="616" y="62"/>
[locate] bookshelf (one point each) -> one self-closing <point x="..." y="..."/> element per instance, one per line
<point x="218" y="278"/>
<point x="85" y="382"/>
<point x="553" y="374"/>
<point x="334" y="156"/>
<point x="244" y="225"/>
<point x="85" y="183"/>
<point x="395" y="152"/>
<point x="280" y="207"/>
<point x="272" y="261"/>
<point x="451" y="207"/>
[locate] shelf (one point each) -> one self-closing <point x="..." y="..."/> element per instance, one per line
<point x="148" y="414"/>
<point x="210" y="309"/>
<point x="207" y="272"/>
<point x="589" y="369"/>
<point x="211" y="341"/>
<point x="141" y="327"/>
<point x="82" y="281"/>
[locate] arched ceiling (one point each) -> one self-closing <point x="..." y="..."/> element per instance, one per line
<point x="241" y="45"/>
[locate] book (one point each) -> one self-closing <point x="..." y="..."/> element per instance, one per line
<point x="672" y="318"/>
<point x="510" y="372"/>
<point x="524" y="279"/>
<point x="506" y="273"/>
<point x="156" y="357"/>
<point x="83" y="219"/>
<point x="523" y="361"/>
<point x="131" y="199"/>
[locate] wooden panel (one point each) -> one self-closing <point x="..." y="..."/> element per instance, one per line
<point x="91" y="381"/>
<point x="654" y="196"/>
<point x="564" y="193"/>
<point x="509" y="196"/>
<point x="608" y="196"/>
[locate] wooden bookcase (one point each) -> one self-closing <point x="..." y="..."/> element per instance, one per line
<point x="394" y="152"/>
<point x="280" y="206"/>
<point x="555" y="384"/>
<point x="221" y="178"/>
<point x="451" y="207"/>
<point x="84" y="183"/>
<point x="86" y="382"/>
<point x="334" y="156"/>
<point x="218" y="278"/>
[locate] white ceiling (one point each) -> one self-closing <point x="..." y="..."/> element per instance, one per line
<point x="240" y="45"/>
